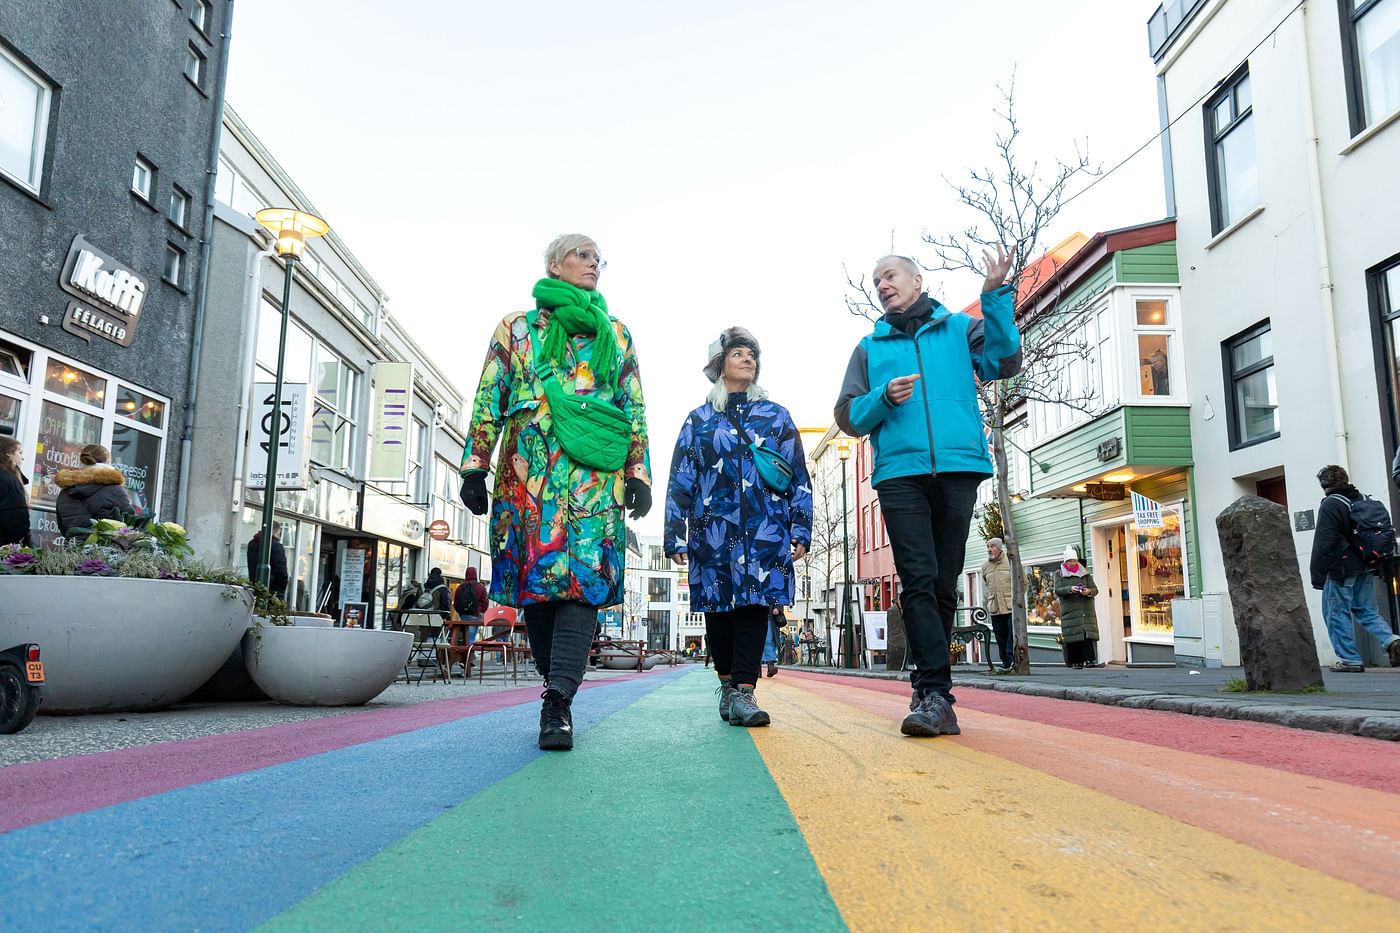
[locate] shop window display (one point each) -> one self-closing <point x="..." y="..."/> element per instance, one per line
<point x="1042" y="607"/>
<point x="1161" y="573"/>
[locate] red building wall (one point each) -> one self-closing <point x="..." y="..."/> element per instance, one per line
<point x="874" y="559"/>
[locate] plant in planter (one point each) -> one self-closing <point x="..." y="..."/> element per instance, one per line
<point x="126" y="617"/>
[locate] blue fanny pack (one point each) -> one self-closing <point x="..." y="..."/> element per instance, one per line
<point x="773" y="468"/>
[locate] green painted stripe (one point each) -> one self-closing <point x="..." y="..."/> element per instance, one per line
<point x="663" y="817"/>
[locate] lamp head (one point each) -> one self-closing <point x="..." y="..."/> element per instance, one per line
<point x="291" y="227"/>
<point x="843" y="447"/>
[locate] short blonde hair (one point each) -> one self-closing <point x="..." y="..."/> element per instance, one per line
<point x="562" y="246"/>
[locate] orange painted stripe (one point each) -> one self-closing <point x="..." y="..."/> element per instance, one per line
<point x="1348" y="832"/>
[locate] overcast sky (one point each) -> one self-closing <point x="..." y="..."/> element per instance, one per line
<point x="729" y="158"/>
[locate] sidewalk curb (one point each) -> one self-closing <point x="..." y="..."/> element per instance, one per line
<point x="1366" y="723"/>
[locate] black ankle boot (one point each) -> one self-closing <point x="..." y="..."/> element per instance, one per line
<point x="556" y="722"/>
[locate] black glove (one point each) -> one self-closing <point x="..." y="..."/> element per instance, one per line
<point x="636" y="498"/>
<point x="474" y="491"/>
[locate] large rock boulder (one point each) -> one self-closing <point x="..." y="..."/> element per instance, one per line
<point x="1266" y="591"/>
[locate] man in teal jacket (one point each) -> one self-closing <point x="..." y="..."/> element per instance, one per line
<point x="912" y="386"/>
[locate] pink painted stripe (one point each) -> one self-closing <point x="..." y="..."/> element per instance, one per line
<point x="1347" y="759"/>
<point x="47" y="790"/>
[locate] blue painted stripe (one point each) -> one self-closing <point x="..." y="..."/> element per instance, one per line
<point x="230" y="854"/>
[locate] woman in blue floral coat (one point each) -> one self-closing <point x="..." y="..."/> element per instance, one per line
<point x="727" y="523"/>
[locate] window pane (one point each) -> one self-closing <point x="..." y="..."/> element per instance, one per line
<point x="140" y="408"/>
<point x="63" y="433"/>
<point x="1238" y="172"/>
<point x="141" y="178"/>
<point x="9" y="416"/>
<point x="1256" y="403"/>
<point x="178" y="202"/>
<point x="21" y="122"/>
<point x="15" y="360"/>
<point x="194" y="64"/>
<point x="171" y="272"/>
<point x="1252" y="351"/>
<point x="1154" y="365"/>
<point x="1392" y="290"/>
<point x="223" y="183"/>
<point x="72" y="382"/>
<point x="297" y="367"/>
<point x="1243" y="95"/>
<point x="1378" y="42"/>
<point x="1042" y="607"/>
<point x="137" y="455"/>
<point x="1152" y="312"/>
<point x="1223" y="114"/>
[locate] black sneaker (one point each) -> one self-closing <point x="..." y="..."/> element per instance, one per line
<point x="726" y="693"/>
<point x="744" y="711"/>
<point x="1392" y="650"/>
<point x="556" y="722"/>
<point x="930" y="714"/>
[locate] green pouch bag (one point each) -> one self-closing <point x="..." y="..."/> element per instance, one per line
<point x="593" y="432"/>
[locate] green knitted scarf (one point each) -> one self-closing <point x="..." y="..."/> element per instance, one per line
<point x="577" y="311"/>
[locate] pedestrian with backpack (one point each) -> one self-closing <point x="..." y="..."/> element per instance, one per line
<point x="470" y="602"/>
<point x="1354" y="541"/>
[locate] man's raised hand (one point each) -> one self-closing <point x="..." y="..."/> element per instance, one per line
<point x="998" y="267"/>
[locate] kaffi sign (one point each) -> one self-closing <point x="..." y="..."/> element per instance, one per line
<point x="111" y="295"/>
<point x="290" y="433"/>
<point x="393" y="406"/>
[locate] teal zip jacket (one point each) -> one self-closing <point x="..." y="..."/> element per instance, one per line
<point x="939" y="429"/>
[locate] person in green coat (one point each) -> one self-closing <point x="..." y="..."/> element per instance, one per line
<point x="1079" y="626"/>
<point x="557" y="535"/>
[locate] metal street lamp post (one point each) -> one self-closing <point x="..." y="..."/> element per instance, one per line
<point x="291" y="227"/>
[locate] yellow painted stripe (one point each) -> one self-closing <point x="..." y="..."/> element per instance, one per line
<point x="919" y="834"/>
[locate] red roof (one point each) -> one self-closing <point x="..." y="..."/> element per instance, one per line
<point x="1041" y="271"/>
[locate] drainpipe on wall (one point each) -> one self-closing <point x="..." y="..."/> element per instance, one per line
<point x="1324" y="266"/>
<point x="201" y="299"/>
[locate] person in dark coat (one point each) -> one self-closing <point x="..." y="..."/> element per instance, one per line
<point x="14" y="502"/>
<point x="91" y="492"/>
<point x="736" y="536"/>
<point x="470" y="602"/>
<point x="1079" y="624"/>
<point x="1348" y="585"/>
<point x="277" y="580"/>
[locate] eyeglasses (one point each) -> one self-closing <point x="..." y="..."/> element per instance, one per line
<point x="588" y="255"/>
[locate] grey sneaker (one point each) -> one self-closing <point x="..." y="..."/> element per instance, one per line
<point x="726" y="693"/>
<point x="1347" y="667"/>
<point x="744" y="711"/>
<point x="930" y="714"/>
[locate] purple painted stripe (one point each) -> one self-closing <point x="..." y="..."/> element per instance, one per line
<point x="47" y="790"/>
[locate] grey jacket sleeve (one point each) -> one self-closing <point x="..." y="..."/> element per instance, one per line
<point x="860" y="409"/>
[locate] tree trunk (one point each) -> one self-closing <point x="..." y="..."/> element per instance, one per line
<point x="1022" y="659"/>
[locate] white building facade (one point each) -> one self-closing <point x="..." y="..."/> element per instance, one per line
<point x="1281" y="167"/>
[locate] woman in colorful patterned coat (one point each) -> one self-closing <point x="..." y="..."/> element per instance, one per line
<point x="556" y="527"/>
<point x="737" y="536"/>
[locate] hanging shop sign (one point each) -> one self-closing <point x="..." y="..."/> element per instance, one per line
<point x="1106" y="492"/>
<point x="390" y="517"/>
<point x="439" y="530"/>
<point x="110" y="295"/>
<point x="292" y="436"/>
<point x="393" y="405"/>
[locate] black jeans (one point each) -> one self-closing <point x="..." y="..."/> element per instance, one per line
<point x="736" y="642"/>
<point x="561" y="635"/>
<point x="927" y="518"/>
<point x="1001" y="628"/>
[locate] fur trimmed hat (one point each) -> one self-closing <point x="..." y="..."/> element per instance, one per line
<point x="728" y="339"/>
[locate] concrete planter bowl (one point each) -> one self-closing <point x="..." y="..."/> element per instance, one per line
<point x="114" y="644"/>
<point x="232" y="683"/>
<point x="303" y="665"/>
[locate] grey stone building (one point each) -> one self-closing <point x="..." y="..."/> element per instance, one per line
<point x="107" y="134"/>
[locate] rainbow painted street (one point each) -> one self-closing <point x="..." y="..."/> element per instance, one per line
<point x="443" y="815"/>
